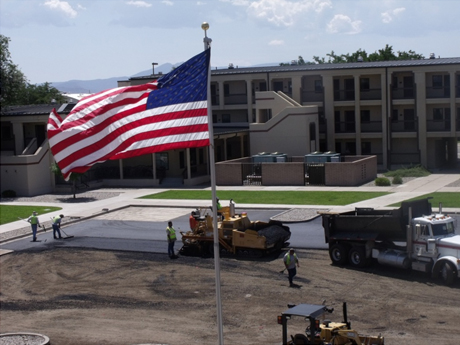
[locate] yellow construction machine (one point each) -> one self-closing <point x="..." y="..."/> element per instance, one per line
<point x="321" y="331"/>
<point x="237" y="234"/>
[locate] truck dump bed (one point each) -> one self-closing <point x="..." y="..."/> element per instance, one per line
<point x="368" y="224"/>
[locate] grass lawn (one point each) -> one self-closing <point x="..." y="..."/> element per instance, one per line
<point x="446" y="198"/>
<point x="272" y="197"/>
<point x="10" y="213"/>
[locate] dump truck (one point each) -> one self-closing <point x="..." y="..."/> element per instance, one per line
<point x="320" y="330"/>
<point x="409" y="237"/>
<point x="238" y="235"/>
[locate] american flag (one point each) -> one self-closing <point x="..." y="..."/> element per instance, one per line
<point x="169" y="113"/>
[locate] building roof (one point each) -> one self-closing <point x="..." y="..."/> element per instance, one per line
<point x="337" y="66"/>
<point x="37" y="109"/>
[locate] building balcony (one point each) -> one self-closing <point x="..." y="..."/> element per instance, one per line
<point x="312" y="96"/>
<point x="438" y="92"/>
<point x="236" y="99"/>
<point x="403" y="93"/>
<point x="404" y="126"/>
<point x="438" y="125"/>
<point x="371" y="127"/>
<point x="370" y="94"/>
<point x="214" y="99"/>
<point x="344" y="95"/>
<point x="345" y="127"/>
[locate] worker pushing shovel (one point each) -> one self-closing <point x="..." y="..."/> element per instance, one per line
<point x="56" y="223"/>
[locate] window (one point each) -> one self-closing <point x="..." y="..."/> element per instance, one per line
<point x="201" y="156"/>
<point x="438" y="114"/>
<point x="226" y="89"/>
<point x="394" y="116"/>
<point x="365" y="116"/>
<point x="366" y="147"/>
<point x="182" y="160"/>
<point x="225" y="118"/>
<point x="162" y="160"/>
<point x="437" y="81"/>
<point x="364" y="84"/>
<point x="278" y="86"/>
<point x="318" y="86"/>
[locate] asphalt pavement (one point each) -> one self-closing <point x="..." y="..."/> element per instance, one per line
<point x="117" y="205"/>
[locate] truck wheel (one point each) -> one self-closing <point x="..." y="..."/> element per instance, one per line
<point x="338" y="254"/>
<point x="357" y="256"/>
<point x="447" y="274"/>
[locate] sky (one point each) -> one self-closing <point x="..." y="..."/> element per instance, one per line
<point x="61" y="40"/>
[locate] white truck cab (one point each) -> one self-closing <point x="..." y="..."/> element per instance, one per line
<point x="435" y="242"/>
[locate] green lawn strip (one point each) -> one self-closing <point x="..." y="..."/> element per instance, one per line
<point x="10" y="213"/>
<point x="447" y="199"/>
<point x="272" y="197"/>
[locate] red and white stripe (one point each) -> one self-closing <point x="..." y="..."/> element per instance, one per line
<point x="115" y="124"/>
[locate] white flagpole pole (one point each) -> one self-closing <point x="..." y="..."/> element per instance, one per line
<point x="207" y="44"/>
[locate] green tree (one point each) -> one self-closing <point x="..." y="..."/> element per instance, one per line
<point x="74" y="177"/>
<point x="385" y="54"/>
<point x="15" y="88"/>
<point x="41" y="94"/>
<point x="13" y="81"/>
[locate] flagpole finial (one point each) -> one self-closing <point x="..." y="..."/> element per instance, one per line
<point x="207" y="41"/>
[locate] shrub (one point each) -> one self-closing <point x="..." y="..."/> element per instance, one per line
<point x="382" y="181"/>
<point x="397" y="180"/>
<point x="8" y="194"/>
<point x="413" y="171"/>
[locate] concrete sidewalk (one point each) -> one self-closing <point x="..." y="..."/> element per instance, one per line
<point x="97" y="202"/>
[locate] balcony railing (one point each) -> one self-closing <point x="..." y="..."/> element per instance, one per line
<point x="438" y="126"/>
<point x="370" y="94"/>
<point x="403" y="93"/>
<point x="371" y="126"/>
<point x="443" y="92"/>
<point x="345" y="127"/>
<point x="344" y="95"/>
<point x="312" y="96"/>
<point x="236" y="99"/>
<point x="404" y="126"/>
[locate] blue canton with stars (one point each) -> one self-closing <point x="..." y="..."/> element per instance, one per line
<point x="186" y="83"/>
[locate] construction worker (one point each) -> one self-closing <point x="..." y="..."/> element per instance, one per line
<point x="171" y="234"/>
<point x="57" y="226"/>
<point x="192" y="220"/>
<point x="34" y="223"/>
<point x="290" y="261"/>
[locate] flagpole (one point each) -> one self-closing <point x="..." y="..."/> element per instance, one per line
<point x="207" y="44"/>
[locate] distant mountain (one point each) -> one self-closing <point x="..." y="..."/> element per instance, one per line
<point x="97" y="85"/>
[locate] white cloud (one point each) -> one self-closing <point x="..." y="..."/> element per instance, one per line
<point x="343" y="24"/>
<point x="168" y="2"/>
<point x="138" y="3"/>
<point x="81" y="7"/>
<point x="281" y="12"/>
<point x="276" y="43"/>
<point x="200" y="3"/>
<point x="63" y="6"/>
<point x="388" y="16"/>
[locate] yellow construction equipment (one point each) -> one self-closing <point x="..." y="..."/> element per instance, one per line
<point x="237" y="234"/>
<point x="321" y="331"/>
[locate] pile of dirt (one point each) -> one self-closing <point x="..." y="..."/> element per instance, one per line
<point x="91" y="297"/>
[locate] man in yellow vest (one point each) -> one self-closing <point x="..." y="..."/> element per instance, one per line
<point x="57" y="226"/>
<point x="290" y="261"/>
<point x="34" y="223"/>
<point x="171" y="234"/>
